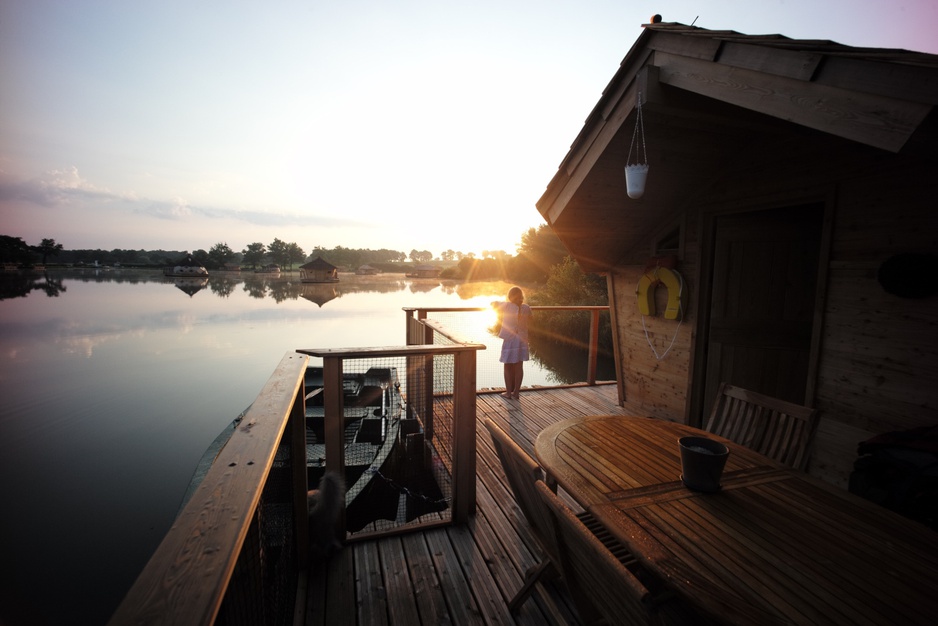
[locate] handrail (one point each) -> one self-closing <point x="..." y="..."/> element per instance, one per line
<point x="186" y="578"/>
<point x="593" y="348"/>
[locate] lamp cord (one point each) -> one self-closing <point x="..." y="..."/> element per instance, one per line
<point x="639" y="123"/>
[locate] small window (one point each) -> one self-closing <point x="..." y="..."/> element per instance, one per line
<point x="670" y="243"/>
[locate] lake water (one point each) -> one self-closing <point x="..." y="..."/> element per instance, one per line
<point x="114" y="383"/>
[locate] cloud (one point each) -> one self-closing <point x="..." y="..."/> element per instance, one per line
<point x="54" y="188"/>
<point x="58" y="188"/>
<point x="175" y="209"/>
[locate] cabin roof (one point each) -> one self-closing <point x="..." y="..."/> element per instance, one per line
<point x="706" y="96"/>
<point x="318" y="264"/>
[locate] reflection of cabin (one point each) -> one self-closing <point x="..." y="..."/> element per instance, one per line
<point x="425" y="271"/>
<point x="319" y="271"/>
<point x="318" y="294"/>
<point x="191" y="285"/>
<point x="794" y="182"/>
<point x="366" y="270"/>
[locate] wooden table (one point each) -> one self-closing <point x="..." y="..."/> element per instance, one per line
<point x="772" y="546"/>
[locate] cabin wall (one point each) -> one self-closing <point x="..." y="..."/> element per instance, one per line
<point x="877" y="360"/>
<point x="654" y="373"/>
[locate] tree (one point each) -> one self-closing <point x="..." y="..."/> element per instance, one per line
<point x="220" y="254"/>
<point x="14" y="250"/>
<point x="294" y="254"/>
<point x="421" y="256"/>
<point x="201" y="257"/>
<point x="254" y="254"/>
<point x="569" y="286"/>
<point x="48" y="248"/>
<point x="539" y="251"/>
<point x="278" y="251"/>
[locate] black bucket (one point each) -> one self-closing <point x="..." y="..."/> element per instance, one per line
<point x="702" y="462"/>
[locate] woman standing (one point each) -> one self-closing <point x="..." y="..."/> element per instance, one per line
<point x="515" y="316"/>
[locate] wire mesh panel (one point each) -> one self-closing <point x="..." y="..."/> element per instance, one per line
<point x="395" y="470"/>
<point x="262" y="589"/>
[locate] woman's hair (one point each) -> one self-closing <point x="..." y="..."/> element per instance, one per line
<point x="515" y="290"/>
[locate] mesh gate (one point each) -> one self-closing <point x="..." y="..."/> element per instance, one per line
<point x="397" y="441"/>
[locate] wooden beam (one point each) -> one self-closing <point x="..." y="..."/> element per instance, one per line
<point x="869" y="119"/>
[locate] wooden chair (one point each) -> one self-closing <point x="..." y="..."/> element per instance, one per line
<point x="598" y="582"/>
<point x="778" y="429"/>
<point x="523" y="473"/>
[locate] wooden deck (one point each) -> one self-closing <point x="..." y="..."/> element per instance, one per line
<point x="458" y="574"/>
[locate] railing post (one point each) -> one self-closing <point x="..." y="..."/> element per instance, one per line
<point x="334" y="411"/>
<point x="409" y="327"/>
<point x="297" y="430"/>
<point x="428" y="372"/>
<point x="464" y="435"/>
<point x="593" y="348"/>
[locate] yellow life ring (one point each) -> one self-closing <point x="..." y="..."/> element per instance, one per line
<point x="649" y="282"/>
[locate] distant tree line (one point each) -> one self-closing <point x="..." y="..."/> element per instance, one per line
<point x="539" y="254"/>
<point x="541" y="261"/>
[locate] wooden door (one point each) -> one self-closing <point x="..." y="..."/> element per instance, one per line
<point x="764" y="277"/>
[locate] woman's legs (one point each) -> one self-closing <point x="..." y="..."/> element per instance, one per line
<point x="509" y="380"/>
<point x="517" y="377"/>
<point x="514" y="374"/>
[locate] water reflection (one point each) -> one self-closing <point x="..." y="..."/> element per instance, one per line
<point x="19" y="284"/>
<point x="190" y="286"/>
<point x="319" y="294"/>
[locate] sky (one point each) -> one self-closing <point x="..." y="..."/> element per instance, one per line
<point x="408" y="124"/>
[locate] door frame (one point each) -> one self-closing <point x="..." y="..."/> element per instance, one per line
<point x="695" y="412"/>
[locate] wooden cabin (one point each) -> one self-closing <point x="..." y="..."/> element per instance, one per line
<point x="791" y="200"/>
<point x="367" y="270"/>
<point x="319" y="271"/>
<point x="425" y="270"/>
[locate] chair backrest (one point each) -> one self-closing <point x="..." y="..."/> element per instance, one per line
<point x="523" y="473"/>
<point x="778" y="429"/>
<point x="591" y="572"/>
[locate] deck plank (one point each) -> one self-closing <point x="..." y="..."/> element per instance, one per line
<point x="460" y="574"/>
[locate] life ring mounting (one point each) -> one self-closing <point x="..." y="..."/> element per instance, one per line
<point x="648" y="284"/>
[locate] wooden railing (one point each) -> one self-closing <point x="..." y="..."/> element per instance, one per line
<point x="215" y="535"/>
<point x="187" y="577"/>
<point x="423" y="331"/>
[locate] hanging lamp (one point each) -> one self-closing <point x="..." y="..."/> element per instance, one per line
<point x="635" y="174"/>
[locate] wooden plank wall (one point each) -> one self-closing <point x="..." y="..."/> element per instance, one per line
<point x="878" y="358"/>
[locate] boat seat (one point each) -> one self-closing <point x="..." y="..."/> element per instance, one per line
<point x="369" y="395"/>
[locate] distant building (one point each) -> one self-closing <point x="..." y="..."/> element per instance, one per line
<point x="185" y="267"/>
<point x="319" y="271"/>
<point x="425" y="271"/>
